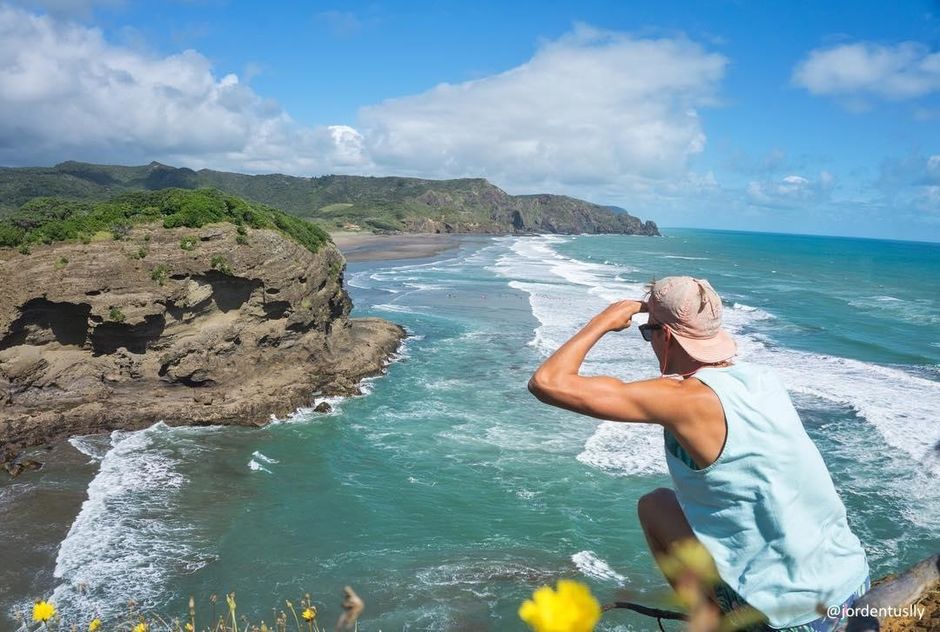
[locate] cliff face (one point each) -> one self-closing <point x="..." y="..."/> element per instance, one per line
<point x="188" y="326"/>
<point x="480" y="207"/>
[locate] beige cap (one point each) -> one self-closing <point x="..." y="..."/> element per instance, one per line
<point x="691" y="310"/>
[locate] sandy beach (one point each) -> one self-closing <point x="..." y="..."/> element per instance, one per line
<point x="357" y="246"/>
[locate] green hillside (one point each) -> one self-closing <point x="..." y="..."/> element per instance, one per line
<point x="379" y="204"/>
<point x="48" y="219"/>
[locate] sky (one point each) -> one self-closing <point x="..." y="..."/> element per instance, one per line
<point x="805" y="117"/>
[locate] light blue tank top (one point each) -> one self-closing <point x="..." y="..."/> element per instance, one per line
<point x="766" y="509"/>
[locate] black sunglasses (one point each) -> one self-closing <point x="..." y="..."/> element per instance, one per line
<point x="647" y="329"/>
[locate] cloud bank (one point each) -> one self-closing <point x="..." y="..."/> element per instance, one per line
<point x="590" y="108"/>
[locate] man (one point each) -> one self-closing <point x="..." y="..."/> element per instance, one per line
<point x="750" y="485"/>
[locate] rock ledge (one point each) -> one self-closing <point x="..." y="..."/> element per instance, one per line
<point x="188" y="326"/>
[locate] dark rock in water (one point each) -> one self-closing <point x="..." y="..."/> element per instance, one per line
<point x="15" y="468"/>
<point x="323" y="407"/>
<point x="9" y="453"/>
<point x="225" y="332"/>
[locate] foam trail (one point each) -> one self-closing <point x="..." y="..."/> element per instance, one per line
<point x="254" y="466"/>
<point x="593" y="566"/>
<point x="123" y="538"/>
<point x="264" y="459"/>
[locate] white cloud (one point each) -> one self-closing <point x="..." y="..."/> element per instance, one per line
<point x="790" y="191"/>
<point x="865" y="69"/>
<point x="589" y="108"/>
<point x="591" y="111"/>
<point x="65" y="92"/>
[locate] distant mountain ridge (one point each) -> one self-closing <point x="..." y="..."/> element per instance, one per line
<point x="378" y="204"/>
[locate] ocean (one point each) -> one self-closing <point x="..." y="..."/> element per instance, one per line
<point x="447" y="492"/>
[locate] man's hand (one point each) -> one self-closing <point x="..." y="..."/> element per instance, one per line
<point x="618" y="315"/>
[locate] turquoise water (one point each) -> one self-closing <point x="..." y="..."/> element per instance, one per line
<point x="447" y="493"/>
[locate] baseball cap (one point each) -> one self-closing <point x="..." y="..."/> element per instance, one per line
<point x="691" y="310"/>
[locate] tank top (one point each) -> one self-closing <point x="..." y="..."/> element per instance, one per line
<point x="767" y="509"/>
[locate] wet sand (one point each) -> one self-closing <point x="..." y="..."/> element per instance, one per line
<point x="372" y="247"/>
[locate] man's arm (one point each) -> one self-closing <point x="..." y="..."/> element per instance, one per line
<point x="558" y="382"/>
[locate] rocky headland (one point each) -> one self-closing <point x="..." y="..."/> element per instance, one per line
<point x="217" y="324"/>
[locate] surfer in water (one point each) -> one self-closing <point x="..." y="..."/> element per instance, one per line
<point x="748" y="482"/>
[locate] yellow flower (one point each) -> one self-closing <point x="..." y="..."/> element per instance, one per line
<point x="141" y="627"/>
<point x="572" y="608"/>
<point x="43" y="611"/>
<point x="309" y="613"/>
<point x="95" y="625"/>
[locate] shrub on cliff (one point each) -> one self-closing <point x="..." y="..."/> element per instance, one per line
<point x="48" y="220"/>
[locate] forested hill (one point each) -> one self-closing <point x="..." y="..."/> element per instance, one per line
<point x="338" y="202"/>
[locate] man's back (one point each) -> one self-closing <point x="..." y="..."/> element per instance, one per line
<point x="767" y="509"/>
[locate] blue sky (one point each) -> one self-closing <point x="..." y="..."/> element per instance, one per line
<point x="796" y="117"/>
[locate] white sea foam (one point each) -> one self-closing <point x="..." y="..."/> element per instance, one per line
<point x="756" y="313"/>
<point x="686" y="258"/>
<point x="123" y="539"/>
<point x="398" y="309"/>
<point x="920" y="311"/>
<point x="263" y="458"/>
<point x="93" y="446"/>
<point x="258" y="462"/>
<point x="254" y="466"/>
<point x="596" y="568"/>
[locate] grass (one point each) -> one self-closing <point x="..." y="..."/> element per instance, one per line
<point x="48" y="220"/>
<point x="303" y="616"/>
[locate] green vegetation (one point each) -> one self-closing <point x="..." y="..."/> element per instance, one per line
<point x="160" y="274"/>
<point x="61" y="262"/>
<point x="116" y="315"/>
<point x="335" y="269"/>
<point x="337" y="202"/>
<point x="48" y="220"/>
<point x="220" y="263"/>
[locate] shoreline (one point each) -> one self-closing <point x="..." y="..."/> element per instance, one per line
<point x="359" y="246"/>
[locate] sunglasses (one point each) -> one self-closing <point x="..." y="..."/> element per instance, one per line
<point x="647" y="329"/>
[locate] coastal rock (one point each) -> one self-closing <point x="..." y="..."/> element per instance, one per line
<point x="188" y="326"/>
<point x="323" y="407"/>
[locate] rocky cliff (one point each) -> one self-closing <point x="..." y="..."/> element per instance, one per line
<point x="212" y="325"/>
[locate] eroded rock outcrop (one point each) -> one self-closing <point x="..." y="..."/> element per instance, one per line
<point x="188" y="326"/>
